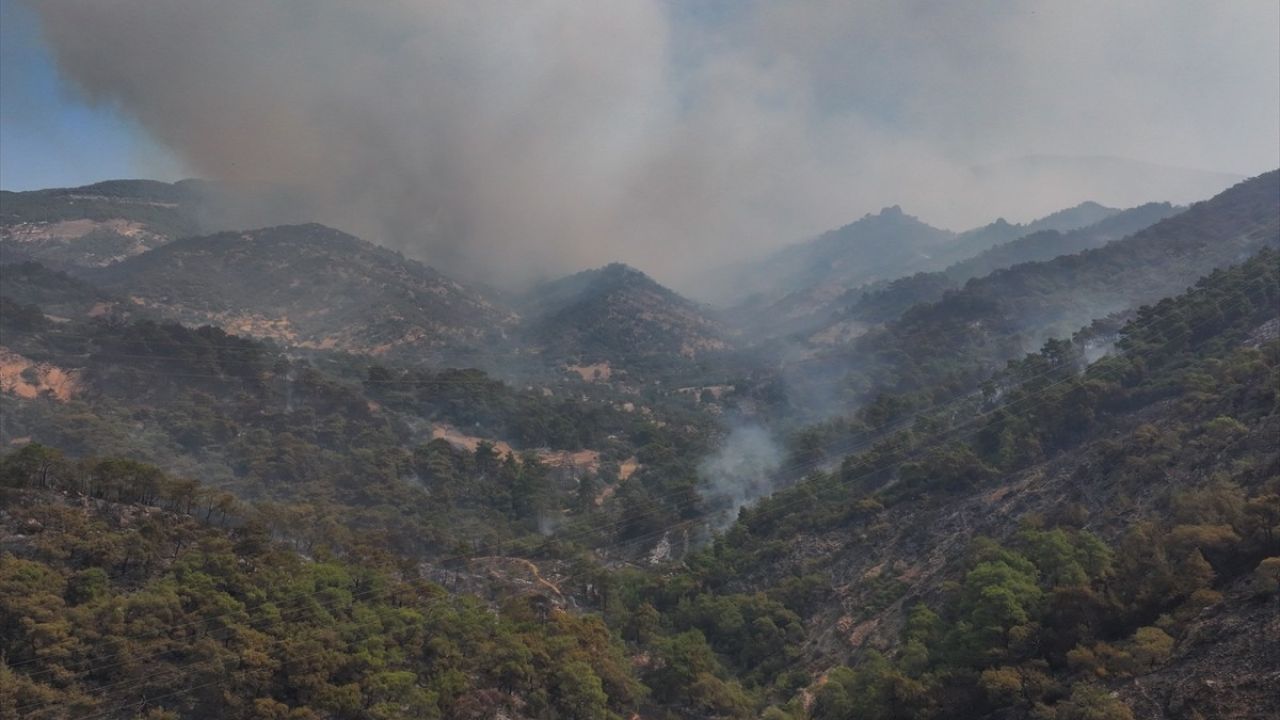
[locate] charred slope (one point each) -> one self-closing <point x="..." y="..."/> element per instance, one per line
<point x="311" y="286"/>
<point x="55" y="293"/>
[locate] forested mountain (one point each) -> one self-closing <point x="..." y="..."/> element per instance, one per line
<point x="429" y="457"/>
<point x="871" y="256"/>
<point x="1043" y="244"/>
<point x="311" y="286"/>
<point x="150" y="598"/>
<point x="886" y="301"/>
<point x="617" y="315"/>
<point x="957" y="340"/>
<point x="887" y="244"/>
<point x="97" y="224"/>
<point x="262" y="474"/>
<point x="877" y="247"/>
<point x="56" y="293"/>
<point x="1077" y="216"/>
<point x="973" y="242"/>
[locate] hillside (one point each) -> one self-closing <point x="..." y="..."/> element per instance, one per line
<point x="310" y="286"/>
<point x="1066" y="545"/>
<point x="880" y="246"/>
<point x="1003" y="315"/>
<point x="98" y="224"/>
<point x="426" y="455"/>
<point x="886" y="301"/>
<point x="972" y="532"/>
<point x="970" y="243"/>
<point x="639" y="361"/>
<point x="1047" y="243"/>
<point x="574" y="515"/>
<point x="804" y="289"/>
<point x="617" y="315"/>
<point x="213" y="615"/>
<point x="1061" y="537"/>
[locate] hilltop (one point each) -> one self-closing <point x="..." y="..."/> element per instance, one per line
<point x="97" y="224"/>
<point x="310" y="286"/>
<point x="617" y="314"/>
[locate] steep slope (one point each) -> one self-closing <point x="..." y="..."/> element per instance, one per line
<point x="56" y="293"/>
<point x="1009" y="312"/>
<point x="878" y="247"/>
<point x="97" y="224"/>
<point x="1001" y="231"/>
<point x="1045" y="243"/>
<point x="414" y="454"/>
<point x="881" y="246"/>
<point x="883" y="302"/>
<point x="1062" y="533"/>
<point x="310" y="286"/>
<point x="803" y="287"/>
<point x="619" y="315"/>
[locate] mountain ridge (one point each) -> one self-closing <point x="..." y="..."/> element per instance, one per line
<point x="615" y="312"/>
<point x="308" y="285"/>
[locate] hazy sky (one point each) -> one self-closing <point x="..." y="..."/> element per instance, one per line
<point x="526" y="137"/>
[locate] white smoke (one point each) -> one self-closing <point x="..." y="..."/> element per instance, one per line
<point x="743" y="470"/>
<point x="517" y="138"/>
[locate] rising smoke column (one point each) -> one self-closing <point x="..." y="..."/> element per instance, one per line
<point x="742" y="470"/>
<point x="513" y="138"/>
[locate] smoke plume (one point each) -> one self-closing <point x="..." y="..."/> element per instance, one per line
<point x="742" y="470"/>
<point x="512" y="139"/>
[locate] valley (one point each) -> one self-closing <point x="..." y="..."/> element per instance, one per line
<point x="1021" y="471"/>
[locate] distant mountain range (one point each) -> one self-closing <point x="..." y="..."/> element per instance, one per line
<point x="878" y="247"/>
<point x="884" y="301"/>
<point x="317" y="288"/>
<point x="1012" y="311"/>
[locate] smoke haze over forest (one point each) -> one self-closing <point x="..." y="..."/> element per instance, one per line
<point x="516" y="140"/>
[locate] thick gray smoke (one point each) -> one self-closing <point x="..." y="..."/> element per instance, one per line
<point x="514" y="138"/>
<point x="740" y="472"/>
